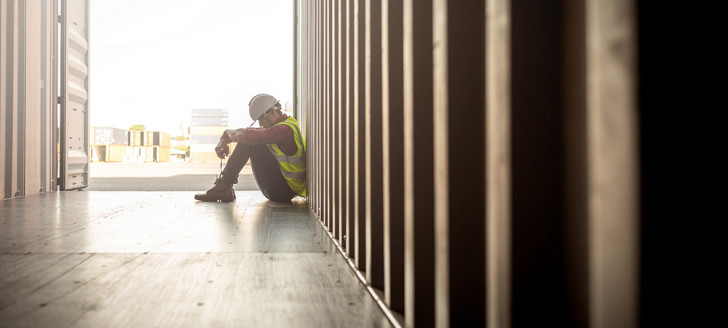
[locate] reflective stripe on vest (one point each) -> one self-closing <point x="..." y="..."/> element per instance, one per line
<point x="293" y="168"/>
<point x="292" y="160"/>
<point x="294" y="175"/>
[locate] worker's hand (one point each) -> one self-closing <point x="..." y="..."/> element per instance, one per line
<point x="222" y="150"/>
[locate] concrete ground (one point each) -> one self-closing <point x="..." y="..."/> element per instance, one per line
<point x="161" y="177"/>
<point x="159" y="259"/>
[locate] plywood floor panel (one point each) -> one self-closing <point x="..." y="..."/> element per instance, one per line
<point x="109" y="222"/>
<point x="143" y="259"/>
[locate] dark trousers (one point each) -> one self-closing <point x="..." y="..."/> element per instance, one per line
<point x="266" y="171"/>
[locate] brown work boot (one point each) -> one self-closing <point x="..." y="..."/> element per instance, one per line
<point x="222" y="191"/>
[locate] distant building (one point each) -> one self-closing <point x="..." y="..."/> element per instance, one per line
<point x="181" y="144"/>
<point x="207" y="127"/>
<point x="177" y="155"/>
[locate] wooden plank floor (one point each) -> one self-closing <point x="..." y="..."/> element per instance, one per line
<point x="161" y="259"/>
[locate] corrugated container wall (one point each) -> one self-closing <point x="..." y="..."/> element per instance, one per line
<point x="27" y="146"/>
<point x="476" y="161"/>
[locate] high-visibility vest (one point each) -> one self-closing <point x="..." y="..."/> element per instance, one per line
<point x="293" y="167"/>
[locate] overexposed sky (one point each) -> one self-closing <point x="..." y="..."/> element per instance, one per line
<point x="151" y="61"/>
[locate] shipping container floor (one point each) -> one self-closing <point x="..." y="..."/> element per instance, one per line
<point x="161" y="259"/>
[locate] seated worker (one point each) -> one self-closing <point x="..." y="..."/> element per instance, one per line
<point x="277" y="152"/>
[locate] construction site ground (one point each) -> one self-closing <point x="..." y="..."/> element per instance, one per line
<point x="161" y="177"/>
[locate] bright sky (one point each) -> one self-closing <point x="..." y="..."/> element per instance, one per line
<point x="154" y="60"/>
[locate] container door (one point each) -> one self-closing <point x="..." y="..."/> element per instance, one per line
<point x="74" y="95"/>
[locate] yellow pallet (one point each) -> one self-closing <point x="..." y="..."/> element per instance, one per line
<point x="165" y="139"/>
<point x="156" y="154"/>
<point x="108" y="153"/>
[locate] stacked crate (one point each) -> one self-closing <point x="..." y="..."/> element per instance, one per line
<point x="135" y="152"/>
<point x="148" y="146"/>
<point x="207" y="125"/>
<point x="157" y="146"/>
<point x="109" y="144"/>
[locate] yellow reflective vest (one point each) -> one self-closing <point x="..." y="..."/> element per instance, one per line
<point x="293" y="167"/>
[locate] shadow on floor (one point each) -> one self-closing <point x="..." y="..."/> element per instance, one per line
<point x="182" y="182"/>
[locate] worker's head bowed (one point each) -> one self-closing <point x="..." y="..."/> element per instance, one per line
<point x="265" y="109"/>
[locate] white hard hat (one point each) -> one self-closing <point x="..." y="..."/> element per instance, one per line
<point x="260" y="104"/>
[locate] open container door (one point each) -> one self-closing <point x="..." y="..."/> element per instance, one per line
<point x="74" y="95"/>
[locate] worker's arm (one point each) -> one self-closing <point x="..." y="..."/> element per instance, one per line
<point x="222" y="150"/>
<point x="281" y="135"/>
<point x="234" y="135"/>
